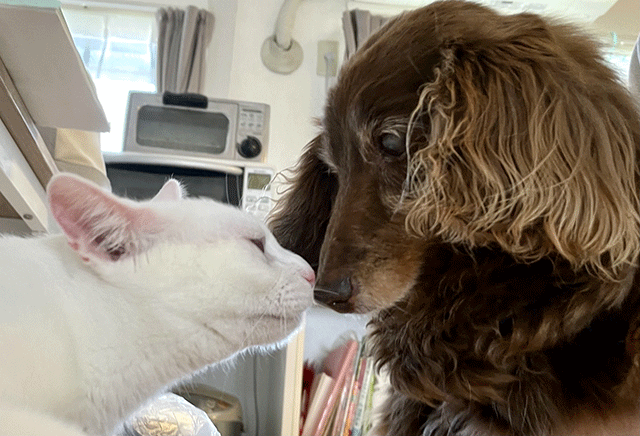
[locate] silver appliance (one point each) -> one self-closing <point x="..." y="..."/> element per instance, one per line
<point x="216" y="148"/>
<point x="198" y="126"/>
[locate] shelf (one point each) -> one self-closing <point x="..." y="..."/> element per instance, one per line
<point x="6" y="210"/>
<point x="39" y="54"/>
<point x="43" y="83"/>
<point x="22" y="128"/>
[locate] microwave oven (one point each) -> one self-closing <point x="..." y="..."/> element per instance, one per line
<point x="197" y="126"/>
<point x="140" y="176"/>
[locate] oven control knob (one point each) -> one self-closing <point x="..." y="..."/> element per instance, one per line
<point x="250" y="147"/>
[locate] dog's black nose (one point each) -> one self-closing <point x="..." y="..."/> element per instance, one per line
<point x="336" y="295"/>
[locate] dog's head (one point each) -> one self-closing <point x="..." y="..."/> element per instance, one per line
<point x="456" y="125"/>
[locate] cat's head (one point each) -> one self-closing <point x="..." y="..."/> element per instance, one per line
<point x="197" y="263"/>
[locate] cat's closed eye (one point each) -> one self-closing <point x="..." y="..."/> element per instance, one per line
<point x="258" y="242"/>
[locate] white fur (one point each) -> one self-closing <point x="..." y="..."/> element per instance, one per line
<point x="133" y="297"/>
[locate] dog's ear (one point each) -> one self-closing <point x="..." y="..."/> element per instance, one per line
<point x="533" y="146"/>
<point x="97" y="224"/>
<point x="300" y="218"/>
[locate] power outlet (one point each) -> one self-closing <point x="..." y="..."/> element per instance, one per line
<point x="327" y="58"/>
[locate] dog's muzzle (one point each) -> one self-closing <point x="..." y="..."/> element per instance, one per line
<point x="336" y="295"/>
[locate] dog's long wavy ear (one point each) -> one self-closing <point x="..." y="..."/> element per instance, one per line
<point x="299" y="219"/>
<point x="533" y="146"/>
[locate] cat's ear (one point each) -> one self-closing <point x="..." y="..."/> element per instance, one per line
<point x="171" y="191"/>
<point x="99" y="225"/>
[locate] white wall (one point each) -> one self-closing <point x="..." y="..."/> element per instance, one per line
<point x="295" y="99"/>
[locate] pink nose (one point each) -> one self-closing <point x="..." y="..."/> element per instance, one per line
<point x="309" y="275"/>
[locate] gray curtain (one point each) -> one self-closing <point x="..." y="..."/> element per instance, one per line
<point x="358" y="25"/>
<point x="634" y="70"/>
<point x="183" y="38"/>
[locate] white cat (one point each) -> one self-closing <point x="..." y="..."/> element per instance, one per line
<point x="132" y="297"/>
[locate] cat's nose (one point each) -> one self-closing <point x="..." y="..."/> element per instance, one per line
<point x="309" y="275"/>
<point x="337" y="294"/>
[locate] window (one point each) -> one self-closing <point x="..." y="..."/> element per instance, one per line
<point x="118" y="48"/>
<point x="618" y="54"/>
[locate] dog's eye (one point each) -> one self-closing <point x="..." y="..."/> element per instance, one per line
<point x="392" y="144"/>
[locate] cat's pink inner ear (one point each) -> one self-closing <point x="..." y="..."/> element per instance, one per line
<point x="69" y="199"/>
<point x="96" y="222"/>
<point x="171" y="191"/>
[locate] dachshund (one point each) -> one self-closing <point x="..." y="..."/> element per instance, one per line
<point x="474" y="186"/>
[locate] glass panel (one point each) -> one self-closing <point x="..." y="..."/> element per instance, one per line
<point x="258" y="181"/>
<point x="164" y="127"/>
<point x="141" y="182"/>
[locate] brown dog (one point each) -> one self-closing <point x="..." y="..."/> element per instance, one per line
<point x="475" y="185"/>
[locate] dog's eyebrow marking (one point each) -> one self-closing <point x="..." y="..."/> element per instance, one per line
<point x="398" y="125"/>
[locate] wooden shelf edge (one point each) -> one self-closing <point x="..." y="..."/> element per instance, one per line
<point x="18" y="121"/>
<point x="6" y="210"/>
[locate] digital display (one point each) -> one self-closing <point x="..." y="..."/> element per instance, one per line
<point x="258" y="181"/>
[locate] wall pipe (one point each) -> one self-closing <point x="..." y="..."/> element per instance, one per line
<point x="280" y="52"/>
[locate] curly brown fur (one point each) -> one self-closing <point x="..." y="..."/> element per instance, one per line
<point x="467" y="340"/>
<point x="475" y="185"/>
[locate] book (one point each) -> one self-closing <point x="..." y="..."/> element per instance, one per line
<point x="345" y="398"/>
<point x="336" y="366"/>
<point x="355" y="395"/>
<point x="366" y="390"/>
<point x="308" y="376"/>
<point x="340" y="412"/>
<point x="323" y="386"/>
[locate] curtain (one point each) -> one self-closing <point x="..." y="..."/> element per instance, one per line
<point x="634" y="70"/>
<point x="358" y="25"/>
<point x="183" y="38"/>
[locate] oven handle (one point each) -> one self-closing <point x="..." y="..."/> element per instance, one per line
<point x="130" y="157"/>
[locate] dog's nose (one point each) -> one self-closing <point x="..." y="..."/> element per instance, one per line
<point x="335" y="295"/>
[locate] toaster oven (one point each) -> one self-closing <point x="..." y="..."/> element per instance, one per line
<point x="194" y="125"/>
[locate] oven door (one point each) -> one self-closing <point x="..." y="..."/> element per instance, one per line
<point x="140" y="176"/>
<point x="155" y="127"/>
